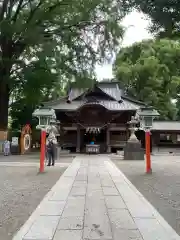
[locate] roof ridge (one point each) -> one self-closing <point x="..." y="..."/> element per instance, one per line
<point x="132" y="99"/>
<point x="54" y="101"/>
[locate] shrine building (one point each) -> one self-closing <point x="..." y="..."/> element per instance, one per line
<point x="100" y="115"/>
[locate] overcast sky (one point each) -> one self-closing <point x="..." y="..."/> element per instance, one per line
<point x="136" y="25"/>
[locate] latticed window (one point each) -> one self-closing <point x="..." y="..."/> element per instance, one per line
<point x="43" y="120"/>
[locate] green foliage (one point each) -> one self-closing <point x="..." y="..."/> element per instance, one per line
<point x="71" y="36"/>
<point x="35" y="83"/>
<point x="150" y="72"/>
<point x="80" y="32"/>
<point x="165" y="16"/>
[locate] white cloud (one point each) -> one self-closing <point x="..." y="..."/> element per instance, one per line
<point x="136" y="24"/>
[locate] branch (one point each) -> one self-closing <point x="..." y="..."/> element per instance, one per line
<point x="3" y="9"/>
<point x="14" y="18"/>
<point x="34" y="11"/>
<point x="10" y="8"/>
<point x="80" y="25"/>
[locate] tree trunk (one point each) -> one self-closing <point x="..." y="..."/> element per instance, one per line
<point x="4" y="104"/>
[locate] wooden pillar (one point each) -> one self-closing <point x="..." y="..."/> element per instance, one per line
<point x="78" y="145"/>
<point x="108" y="140"/>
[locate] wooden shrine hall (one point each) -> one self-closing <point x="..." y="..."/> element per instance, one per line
<point x="99" y="116"/>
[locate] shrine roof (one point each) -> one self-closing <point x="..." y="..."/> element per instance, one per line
<point x="110" y="105"/>
<point x="112" y="90"/>
<point x="114" y="98"/>
<point x="166" y="125"/>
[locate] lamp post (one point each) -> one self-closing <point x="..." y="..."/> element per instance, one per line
<point x="146" y="117"/>
<point x="45" y="116"/>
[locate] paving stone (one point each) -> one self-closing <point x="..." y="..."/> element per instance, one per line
<point x="78" y="191"/>
<point x="71" y="172"/>
<point x="119" y="180"/>
<point x="151" y="229"/>
<point x="95" y="207"/>
<point x="62" y="190"/>
<point x="94" y="180"/>
<point x="107" y="183"/>
<point x="110" y="191"/>
<point x="82" y="171"/>
<point x="137" y="207"/>
<point x="94" y="193"/>
<point x="73" y="201"/>
<point x="71" y="223"/>
<point x="114" y="202"/>
<point x="94" y="186"/>
<point x="68" y="235"/>
<point x="65" y="180"/>
<point x="126" y="191"/>
<point x="126" y="234"/>
<point x="60" y="195"/>
<point x="121" y="218"/>
<point x="74" y="207"/>
<point x="43" y="228"/>
<point x="97" y="227"/>
<point x="81" y="177"/>
<point x="80" y="183"/>
<point x="94" y="190"/>
<point x="52" y="208"/>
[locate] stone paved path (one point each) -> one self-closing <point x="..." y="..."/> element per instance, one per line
<point x="94" y="200"/>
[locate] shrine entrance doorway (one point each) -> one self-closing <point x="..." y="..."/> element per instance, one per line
<point x="96" y="136"/>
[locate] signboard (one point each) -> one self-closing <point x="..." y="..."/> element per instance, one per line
<point x="15" y="141"/>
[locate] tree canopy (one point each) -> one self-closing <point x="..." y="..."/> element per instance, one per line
<point x="73" y="34"/>
<point x="149" y="71"/>
<point x="164" y="14"/>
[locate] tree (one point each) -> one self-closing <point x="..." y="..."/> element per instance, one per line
<point x="79" y="32"/>
<point x="165" y="16"/>
<point x="37" y="83"/>
<point x="150" y="72"/>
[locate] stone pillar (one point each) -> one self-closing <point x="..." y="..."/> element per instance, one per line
<point x="78" y="145"/>
<point x="108" y="140"/>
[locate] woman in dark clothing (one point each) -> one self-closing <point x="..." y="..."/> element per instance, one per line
<point x="50" y="153"/>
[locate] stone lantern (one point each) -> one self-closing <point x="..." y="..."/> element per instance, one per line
<point x="146" y="116"/>
<point x="45" y="116"/>
<point x="133" y="150"/>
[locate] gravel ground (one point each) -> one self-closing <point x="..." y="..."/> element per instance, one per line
<point x="32" y="157"/>
<point x="161" y="189"/>
<point x="21" y="190"/>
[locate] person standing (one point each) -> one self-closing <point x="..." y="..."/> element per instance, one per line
<point x="6" y="148"/>
<point x="51" y="149"/>
<point x="50" y="152"/>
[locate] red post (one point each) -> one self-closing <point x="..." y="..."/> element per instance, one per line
<point x="148" y="153"/>
<point x="42" y="154"/>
